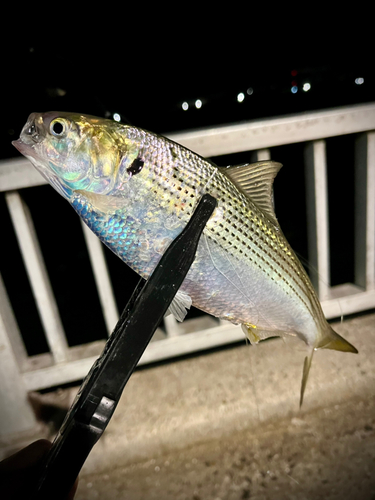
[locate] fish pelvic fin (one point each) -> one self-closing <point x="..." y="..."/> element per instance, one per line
<point x="305" y="375"/>
<point x="180" y="305"/>
<point x="332" y="340"/>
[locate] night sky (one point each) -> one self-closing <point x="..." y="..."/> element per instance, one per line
<point x="147" y="72"/>
<point x="145" y="77"/>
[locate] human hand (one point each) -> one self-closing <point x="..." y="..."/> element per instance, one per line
<point x="19" y="472"/>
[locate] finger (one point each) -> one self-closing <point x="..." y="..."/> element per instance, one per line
<point x="26" y="457"/>
<point x="72" y="492"/>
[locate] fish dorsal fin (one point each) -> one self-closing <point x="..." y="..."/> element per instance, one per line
<point x="255" y="180"/>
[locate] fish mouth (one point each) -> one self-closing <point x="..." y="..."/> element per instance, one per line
<point x="23" y="148"/>
<point x="31" y="135"/>
<point x="28" y="151"/>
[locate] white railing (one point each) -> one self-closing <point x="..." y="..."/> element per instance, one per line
<point x="20" y="373"/>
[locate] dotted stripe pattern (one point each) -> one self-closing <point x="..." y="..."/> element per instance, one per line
<point x="181" y="177"/>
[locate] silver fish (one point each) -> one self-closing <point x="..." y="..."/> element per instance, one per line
<point x="137" y="190"/>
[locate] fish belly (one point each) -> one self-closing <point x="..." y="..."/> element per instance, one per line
<point x="219" y="282"/>
<point x="230" y="288"/>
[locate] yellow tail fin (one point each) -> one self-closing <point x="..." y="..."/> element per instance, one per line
<point x="305" y="375"/>
<point x="330" y="340"/>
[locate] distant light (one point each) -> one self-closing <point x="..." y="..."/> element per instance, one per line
<point x="306" y="87"/>
<point x="294" y="72"/>
<point x="116" y="117"/>
<point x="240" y="97"/>
<point x="249" y="91"/>
<point x="185" y="106"/>
<point x="294" y="89"/>
<point x="359" y="81"/>
<point x="198" y="103"/>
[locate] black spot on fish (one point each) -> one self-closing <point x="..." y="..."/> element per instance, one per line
<point x="135" y="167"/>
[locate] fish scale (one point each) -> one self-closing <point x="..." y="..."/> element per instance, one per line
<point x="201" y="173"/>
<point x="137" y="190"/>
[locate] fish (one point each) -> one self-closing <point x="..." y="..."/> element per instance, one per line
<point x="136" y="190"/>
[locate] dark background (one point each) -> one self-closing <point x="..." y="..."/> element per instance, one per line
<point x="144" y="63"/>
<point x="144" y="69"/>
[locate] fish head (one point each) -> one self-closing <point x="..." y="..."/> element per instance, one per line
<point x="72" y="151"/>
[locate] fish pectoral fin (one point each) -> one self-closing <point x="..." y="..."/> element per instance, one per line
<point x="180" y="305"/>
<point x="305" y="375"/>
<point x="255" y="180"/>
<point x="102" y="202"/>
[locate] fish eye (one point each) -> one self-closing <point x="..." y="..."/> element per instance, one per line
<point x="57" y="128"/>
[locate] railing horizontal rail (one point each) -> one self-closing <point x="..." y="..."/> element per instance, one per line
<point x="67" y="364"/>
<point x="260" y="134"/>
<point x="38" y="275"/>
<point x="234" y="138"/>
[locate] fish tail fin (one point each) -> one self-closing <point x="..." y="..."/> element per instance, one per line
<point x="332" y="340"/>
<point x="305" y="375"/>
<point x="329" y="340"/>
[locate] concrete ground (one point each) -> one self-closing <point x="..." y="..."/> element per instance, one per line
<point x="227" y="425"/>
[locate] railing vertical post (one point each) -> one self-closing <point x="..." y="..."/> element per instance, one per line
<point x="101" y="275"/>
<point x="364" y="239"/>
<point x="15" y="411"/>
<point x="171" y="326"/>
<point x="260" y="155"/>
<point x="317" y="215"/>
<point x="38" y="276"/>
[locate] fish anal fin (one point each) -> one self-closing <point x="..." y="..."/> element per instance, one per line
<point x="332" y="340"/>
<point x="255" y="334"/>
<point x="305" y="375"/>
<point x="180" y="305"/>
<point x="255" y="180"/>
<point x="251" y="332"/>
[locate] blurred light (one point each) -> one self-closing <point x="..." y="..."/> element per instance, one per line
<point x="55" y="92"/>
<point x="294" y="89"/>
<point x="185" y="106"/>
<point x="240" y="97"/>
<point x="249" y="91"/>
<point x="306" y="87"/>
<point x="294" y="72"/>
<point x="198" y="103"/>
<point x="359" y="81"/>
<point x="116" y="117"/>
